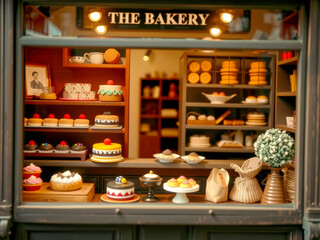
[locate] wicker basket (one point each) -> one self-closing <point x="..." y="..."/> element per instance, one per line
<point x="246" y="188"/>
<point x="288" y="183"/>
<point x="65" y="186"/>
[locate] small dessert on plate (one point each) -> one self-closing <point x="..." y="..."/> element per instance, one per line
<point x="166" y="156"/>
<point x="50" y="121"/>
<point x="66" y="181"/>
<point x="192" y="158"/>
<point x="31" y="147"/>
<point x="106" y="120"/>
<point x="31" y="170"/>
<point x="45" y="148"/>
<point x="62" y="147"/>
<point x="173" y="183"/>
<point x="120" y="189"/>
<point x="35" y="121"/>
<point x="78" y="148"/>
<point x="81" y="121"/>
<point x="66" y="121"/>
<point x="181" y="179"/>
<point x="251" y="99"/>
<point x="32" y="183"/>
<point x="185" y="184"/>
<point x="262" y="99"/>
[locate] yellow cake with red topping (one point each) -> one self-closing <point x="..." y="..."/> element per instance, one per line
<point x="107" y="152"/>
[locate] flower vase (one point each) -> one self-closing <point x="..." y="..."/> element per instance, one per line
<point x="273" y="192"/>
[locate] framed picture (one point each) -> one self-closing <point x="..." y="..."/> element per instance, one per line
<point x="37" y="78"/>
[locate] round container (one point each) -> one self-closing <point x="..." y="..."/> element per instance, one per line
<point x="150" y="181"/>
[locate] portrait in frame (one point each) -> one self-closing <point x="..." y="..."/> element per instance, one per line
<point x="37" y="78"/>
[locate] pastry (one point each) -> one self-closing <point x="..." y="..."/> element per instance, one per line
<point x="251" y="99"/>
<point x="223" y="116"/>
<point x="62" y="147"/>
<point x="25" y="122"/>
<point x="173" y="183"/>
<point x="193" y="155"/>
<point x="205" y="77"/>
<point x="120" y="189"/>
<point x="193" y="77"/>
<point x="81" y="121"/>
<point x="202" y="117"/>
<point x="166" y="155"/>
<point x="112" y="56"/>
<point x="32" y="183"/>
<point x="185" y="184"/>
<point x="237" y="122"/>
<point x="107" y="152"/>
<point x="181" y="179"/>
<point x="194" y="66"/>
<point x="262" y="99"/>
<point x="66" y="181"/>
<point x="229" y="78"/>
<point x="110" y="92"/>
<point x="35" y="121"/>
<point x="66" y="121"/>
<point x="50" y="121"/>
<point x="227" y="122"/>
<point x="31" y="147"/>
<point x="45" y="148"/>
<point x="199" y="141"/>
<point x="192" y="158"/>
<point x="30" y="170"/>
<point x="205" y="66"/>
<point x="258" y="83"/>
<point x="78" y="148"/>
<point x="192" y="182"/>
<point x="106" y="120"/>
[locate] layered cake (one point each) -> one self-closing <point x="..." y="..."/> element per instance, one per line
<point x="66" y="181"/>
<point x="78" y="148"/>
<point x="45" y="148"/>
<point x="62" y="147"/>
<point x="110" y="92"/>
<point x="31" y="147"/>
<point x="107" y="152"/>
<point x="229" y="73"/>
<point x="111" y="56"/>
<point x="120" y="189"/>
<point x="66" y="121"/>
<point x="81" y="121"/>
<point x="106" y="120"/>
<point x="32" y="183"/>
<point x="258" y="73"/>
<point x="256" y="119"/>
<point x="30" y="170"/>
<point x="50" y="121"/>
<point x="35" y="121"/>
<point x="199" y="141"/>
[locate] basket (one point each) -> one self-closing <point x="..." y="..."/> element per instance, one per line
<point x="288" y="184"/>
<point x="246" y="188"/>
<point x="65" y="186"/>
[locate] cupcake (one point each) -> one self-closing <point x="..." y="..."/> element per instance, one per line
<point x="46" y="148"/>
<point x="32" y="183"/>
<point x="173" y="183"/>
<point x="185" y="184"/>
<point x="31" y="170"/>
<point x="62" y="147"/>
<point x="192" y="182"/>
<point x="78" y="148"/>
<point x="31" y="147"/>
<point x="181" y="179"/>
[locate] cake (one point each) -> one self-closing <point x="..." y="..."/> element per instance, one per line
<point x="173" y="183"/>
<point x="262" y="99"/>
<point x="78" y="148"/>
<point x="31" y="170"/>
<point x="255" y="118"/>
<point x="229" y="73"/>
<point x="181" y="179"/>
<point x="78" y="91"/>
<point x="32" y="183"/>
<point x="31" y="147"/>
<point x="193" y="77"/>
<point x="185" y="184"/>
<point x="66" y="181"/>
<point x="194" y="66"/>
<point x="120" y="189"/>
<point x="81" y="121"/>
<point x="106" y="120"/>
<point x="66" y="121"/>
<point x="205" y="77"/>
<point x="106" y="152"/>
<point x="35" y="121"/>
<point x="111" y="56"/>
<point x="45" y="148"/>
<point x="110" y="92"/>
<point x="199" y="141"/>
<point x="62" y="147"/>
<point x="50" y="121"/>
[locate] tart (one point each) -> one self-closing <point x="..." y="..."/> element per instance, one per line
<point x="66" y="181"/>
<point x="32" y="183"/>
<point x="31" y="170"/>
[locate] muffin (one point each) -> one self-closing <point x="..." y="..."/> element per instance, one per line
<point x="173" y="183"/>
<point x="31" y="170"/>
<point x="78" y="148"/>
<point x="62" y="147"/>
<point x="31" y="147"/>
<point x="32" y="183"/>
<point x="46" y="148"/>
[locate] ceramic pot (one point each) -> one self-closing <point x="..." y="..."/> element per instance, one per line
<point x="273" y="192"/>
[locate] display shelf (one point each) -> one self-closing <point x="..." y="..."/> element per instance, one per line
<point x="82" y="103"/>
<point x="236" y="86"/>
<point x="286" y="128"/>
<point x="286" y="94"/>
<point x="149" y="116"/>
<point x="219" y="149"/>
<point x="227" y="127"/>
<point x="290" y="61"/>
<point x="54" y="155"/>
<point x="74" y="130"/>
<point x="227" y="105"/>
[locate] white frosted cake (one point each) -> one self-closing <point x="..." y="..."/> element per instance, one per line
<point x="199" y="141"/>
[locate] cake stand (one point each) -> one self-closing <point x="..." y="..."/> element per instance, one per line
<point x="180" y="192"/>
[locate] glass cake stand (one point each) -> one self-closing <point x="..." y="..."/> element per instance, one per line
<point x="180" y="192"/>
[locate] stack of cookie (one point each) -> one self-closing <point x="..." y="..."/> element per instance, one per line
<point x="256" y="119"/>
<point x="258" y="73"/>
<point x="229" y="73"/>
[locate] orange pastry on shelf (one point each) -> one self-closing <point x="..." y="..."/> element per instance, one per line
<point x="205" y="66"/>
<point x="193" y="77"/>
<point x="112" y="56"/>
<point x="205" y="77"/>
<point x="66" y="121"/>
<point x="81" y="121"/>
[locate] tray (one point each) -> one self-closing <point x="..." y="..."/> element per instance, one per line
<point x="46" y="194"/>
<point x="82" y="127"/>
<point x="105" y="128"/>
<point x="82" y="100"/>
<point x="73" y="156"/>
<point x="105" y="198"/>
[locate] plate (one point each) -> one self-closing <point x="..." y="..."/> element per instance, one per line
<point x="181" y="190"/>
<point x="245" y="102"/>
<point x="105" y="198"/>
<point x="106" y="128"/>
<point x="82" y="100"/>
<point x="120" y="159"/>
<point x="192" y="161"/>
<point x="165" y="160"/>
<point x="256" y="124"/>
<point x="200" y="145"/>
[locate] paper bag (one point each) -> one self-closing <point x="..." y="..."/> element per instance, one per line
<point x="217" y="185"/>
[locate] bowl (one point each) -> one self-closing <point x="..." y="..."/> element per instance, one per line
<point x="164" y="159"/>
<point x="192" y="161"/>
<point x="218" y="99"/>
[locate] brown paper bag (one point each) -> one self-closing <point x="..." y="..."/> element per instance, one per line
<point x="217" y="185"/>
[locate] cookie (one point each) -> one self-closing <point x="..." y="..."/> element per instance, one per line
<point x="193" y="77"/>
<point x="206" y="66"/>
<point x="205" y="77"/>
<point x="194" y="66"/>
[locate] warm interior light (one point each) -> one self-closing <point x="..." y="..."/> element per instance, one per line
<point x="95" y="16"/>
<point x="226" y="17"/>
<point x="146" y="56"/>
<point x="101" y="29"/>
<point x="215" y="31"/>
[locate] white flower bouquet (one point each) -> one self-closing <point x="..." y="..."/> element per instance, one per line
<point x="276" y="147"/>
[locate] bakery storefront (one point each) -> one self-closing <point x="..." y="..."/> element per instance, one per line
<point x="123" y="120"/>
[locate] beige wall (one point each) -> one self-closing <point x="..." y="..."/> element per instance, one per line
<point x="162" y="61"/>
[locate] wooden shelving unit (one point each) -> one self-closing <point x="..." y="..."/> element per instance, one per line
<point x="151" y="113"/>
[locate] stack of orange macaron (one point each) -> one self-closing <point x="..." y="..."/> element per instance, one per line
<point x="258" y="73"/>
<point x="229" y="73"/>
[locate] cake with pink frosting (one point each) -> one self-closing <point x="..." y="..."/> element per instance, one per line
<point x="32" y="183"/>
<point x="30" y="170"/>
